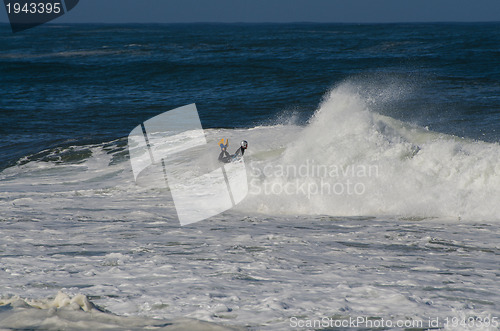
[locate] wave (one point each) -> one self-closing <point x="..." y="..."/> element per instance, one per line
<point x="348" y="160"/>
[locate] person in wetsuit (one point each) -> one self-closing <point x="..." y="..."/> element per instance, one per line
<point x="225" y="157"/>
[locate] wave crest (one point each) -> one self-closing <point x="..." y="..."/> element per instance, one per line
<point x="419" y="172"/>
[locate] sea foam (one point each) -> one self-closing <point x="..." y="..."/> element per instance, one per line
<point x="414" y="171"/>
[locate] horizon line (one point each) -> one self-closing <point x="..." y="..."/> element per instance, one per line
<point x="269" y="22"/>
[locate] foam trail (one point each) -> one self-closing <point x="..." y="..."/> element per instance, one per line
<point x="357" y="162"/>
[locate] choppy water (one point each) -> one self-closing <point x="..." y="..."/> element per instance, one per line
<point x="418" y="103"/>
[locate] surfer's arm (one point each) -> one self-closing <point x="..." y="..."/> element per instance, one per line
<point x="240" y="151"/>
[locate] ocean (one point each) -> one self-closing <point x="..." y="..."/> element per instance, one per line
<point x="373" y="173"/>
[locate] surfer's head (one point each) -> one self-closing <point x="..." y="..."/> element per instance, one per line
<point x="244" y="144"/>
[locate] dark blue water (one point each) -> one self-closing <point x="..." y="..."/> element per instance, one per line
<point x="78" y="84"/>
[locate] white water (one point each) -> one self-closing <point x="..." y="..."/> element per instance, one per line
<point x="78" y="313"/>
<point x="400" y="169"/>
<point x="86" y="228"/>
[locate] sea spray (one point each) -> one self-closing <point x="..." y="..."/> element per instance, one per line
<point x="418" y="172"/>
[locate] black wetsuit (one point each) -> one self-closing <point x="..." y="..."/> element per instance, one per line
<point x="225" y="157"/>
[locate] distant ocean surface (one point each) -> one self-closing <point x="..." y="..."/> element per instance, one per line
<point x="420" y="103"/>
<point x="75" y="84"/>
